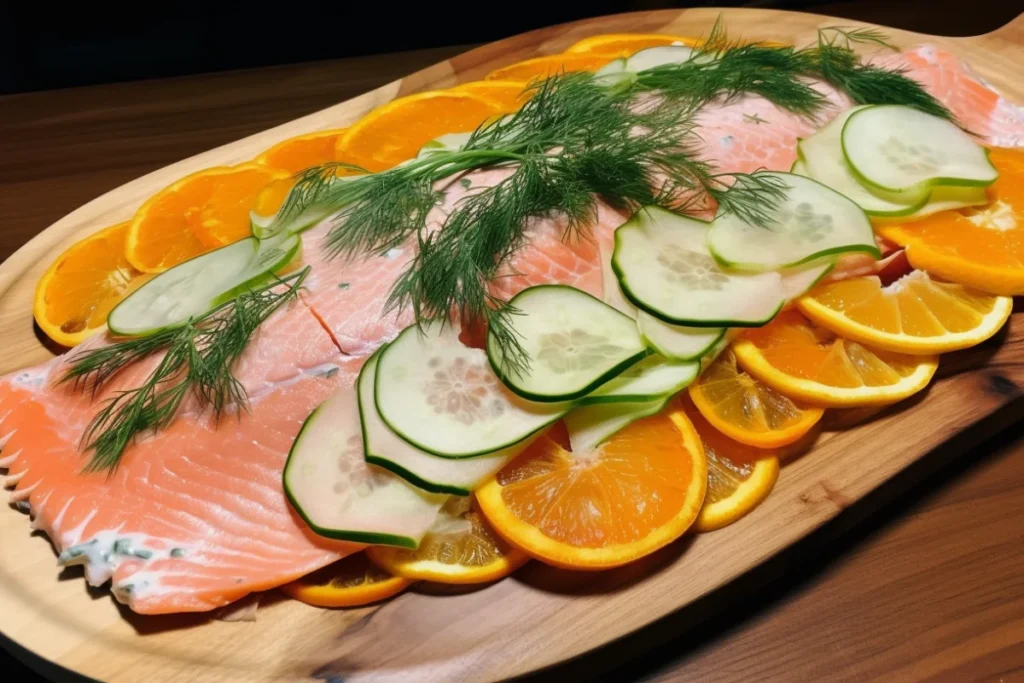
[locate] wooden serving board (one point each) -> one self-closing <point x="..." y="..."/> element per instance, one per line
<point x="540" y="616"/>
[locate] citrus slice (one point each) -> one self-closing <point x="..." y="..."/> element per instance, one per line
<point x="349" y="582"/>
<point x="740" y="477"/>
<point x="202" y="211"/>
<point x="547" y="66"/>
<point x="82" y="286"/>
<point x="625" y="44"/>
<point x="914" y="314"/>
<point x="396" y="131"/>
<point x="635" y="493"/>
<point x="302" y="152"/>
<point x="806" y="362"/>
<point x="982" y="246"/>
<point x="510" y="95"/>
<point x="462" y="548"/>
<point x="747" y="410"/>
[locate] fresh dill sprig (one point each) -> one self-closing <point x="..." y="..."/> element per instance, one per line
<point x="198" y="361"/>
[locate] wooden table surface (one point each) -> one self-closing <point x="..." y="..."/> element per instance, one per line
<point x="921" y="581"/>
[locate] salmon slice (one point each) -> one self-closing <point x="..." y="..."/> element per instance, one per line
<point x="976" y="104"/>
<point x="194" y="517"/>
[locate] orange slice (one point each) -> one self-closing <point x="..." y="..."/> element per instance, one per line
<point x="545" y="67"/>
<point x="747" y="410"/>
<point x="914" y="314"/>
<point x="462" y="548"/>
<point x="509" y="95"/>
<point x="350" y="582"/>
<point x="625" y="44"/>
<point x="82" y="286"/>
<point x="637" y="492"/>
<point x="202" y="211"/>
<point x="740" y="477"/>
<point x="302" y="152"/>
<point x="396" y="131"/>
<point x="982" y="246"/>
<point x="809" y="363"/>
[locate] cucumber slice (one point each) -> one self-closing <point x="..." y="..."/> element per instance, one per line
<point x="664" y="268"/>
<point x="897" y="148"/>
<point x="811" y="222"/>
<point x="574" y="343"/>
<point x="943" y="199"/>
<point x="614" y="75"/>
<point x="800" y="168"/>
<point x="798" y="281"/>
<point x="421" y="469"/>
<point x="265" y="227"/>
<point x="677" y="342"/>
<point x="652" y="378"/>
<point x="442" y="397"/>
<point x="196" y="286"/>
<point x="590" y="426"/>
<point x="822" y="154"/>
<point x="651" y="57"/>
<point x="612" y="294"/>
<point x="339" y="495"/>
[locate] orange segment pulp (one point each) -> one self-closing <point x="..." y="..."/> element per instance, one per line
<point x="82" y="286"/>
<point x="914" y="314"/>
<point x="634" y="494"/>
<point x="509" y="95"/>
<point x="545" y="67"/>
<point x="302" y="152"/>
<point x="740" y="477"/>
<point x="396" y="131"/>
<point x="626" y="44"/>
<point x="461" y="549"/>
<point x="202" y="211"/>
<point x="981" y="246"/>
<point x="809" y="363"/>
<point x="747" y="410"/>
<point x="350" y="582"/>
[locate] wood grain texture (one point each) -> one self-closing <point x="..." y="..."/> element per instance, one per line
<point x="541" y="616"/>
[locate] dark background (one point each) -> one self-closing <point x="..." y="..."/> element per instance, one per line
<point x="43" y="47"/>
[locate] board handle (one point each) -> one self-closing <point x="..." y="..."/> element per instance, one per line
<point x="1010" y="32"/>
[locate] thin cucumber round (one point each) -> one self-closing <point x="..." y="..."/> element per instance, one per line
<point x="614" y="75"/>
<point x="421" y="469"/>
<point x="897" y="148"/>
<point x="822" y="154"/>
<point x="612" y="292"/>
<point x="810" y="223"/>
<point x="198" y="285"/>
<point x="652" y="57"/>
<point x="442" y="397"/>
<point x="449" y="142"/>
<point x="665" y="268"/>
<point x="676" y="342"/>
<point x="652" y="378"/>
<point x="574" y="343"/>
<point x="339" y="495"/>
<point x="943" y="198"/>
<point x="590" y="426"/>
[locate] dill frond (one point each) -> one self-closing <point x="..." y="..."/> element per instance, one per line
<point x="198" y="361"/>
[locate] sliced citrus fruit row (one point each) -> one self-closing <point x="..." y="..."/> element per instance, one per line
<point x="982" y="247"/>
<point x="637" y="492"/>
<point x="914" y="314"/>
<point x="397" y="130"/>
<point x="625" y="44"/>
<point x="740" y="477"/>
<point x="549" y="65"/>
<point x="461" y="549"/>
<point x="202" y="211"/>
<point x="806" y="362"/>
<point x="303" y="151"/>
<point x="83" y="285"/>
<point x="349" y="582"/>
<point x="747" y="410"/>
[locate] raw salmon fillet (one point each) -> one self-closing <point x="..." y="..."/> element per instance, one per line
<point x="194" y="517"/>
